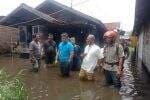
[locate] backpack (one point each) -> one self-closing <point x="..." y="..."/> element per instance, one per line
<point x="117" y="53"/>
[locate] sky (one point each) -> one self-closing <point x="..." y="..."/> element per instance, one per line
<point x="104" y="10"/>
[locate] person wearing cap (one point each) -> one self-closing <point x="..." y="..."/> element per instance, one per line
<point x="113" y="59"/>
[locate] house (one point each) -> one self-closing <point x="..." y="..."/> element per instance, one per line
<point x="112" y="25"/>
<point x="52" y="17"/>
<point x="142" y="31"/>
<point x="1" y="17"/>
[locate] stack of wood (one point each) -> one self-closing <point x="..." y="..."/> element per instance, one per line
<point x="8" y="36"/>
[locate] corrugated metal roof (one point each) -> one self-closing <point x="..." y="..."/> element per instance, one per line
<point x="69" y="9"/>
<point x="39" y="15"/>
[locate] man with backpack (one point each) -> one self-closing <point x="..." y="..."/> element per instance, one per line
<point x="113" y="59"/>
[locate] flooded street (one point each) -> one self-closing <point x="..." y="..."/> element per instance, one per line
<point x="135" y="81"/>
<point x="114" y="32"/>
<point x="47" y="84"/>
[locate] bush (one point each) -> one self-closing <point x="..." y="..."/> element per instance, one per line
<point x="12" y="87"/>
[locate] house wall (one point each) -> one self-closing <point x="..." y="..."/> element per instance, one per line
<point x="144" y="47"/>
<point x="140" y="51"/>
<point x="112" y="26"/>
<point x="7" y="34"/>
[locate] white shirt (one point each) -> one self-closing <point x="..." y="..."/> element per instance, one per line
<point x="93" y="53"/>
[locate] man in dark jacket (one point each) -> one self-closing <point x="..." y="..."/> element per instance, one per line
<point x="49" y="51"/>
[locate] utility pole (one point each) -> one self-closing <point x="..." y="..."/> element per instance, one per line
<point x="71" y="3"/>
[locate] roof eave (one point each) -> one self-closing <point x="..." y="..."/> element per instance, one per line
<point x="32" y="10"/>
<point x="72" y="11"/>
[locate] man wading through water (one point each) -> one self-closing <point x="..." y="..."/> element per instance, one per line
<point x="35" y="53"/>
<point x="65" y="55"/>
<point x="113" y="59"/>
<point x="76" y="61"/>
<point x="49" y="51"/>
<point x="91" y="57"/>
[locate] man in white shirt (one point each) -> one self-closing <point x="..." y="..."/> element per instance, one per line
<point x="91" y="57"/>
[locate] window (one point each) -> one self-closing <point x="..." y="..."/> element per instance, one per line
<point x="37" y="29"/>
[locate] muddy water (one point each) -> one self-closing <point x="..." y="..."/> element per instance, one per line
<point x="127" y="91"/>
<point x="48" y="85"/>
<point x="135" y="82"/>
<point x="142" y="82"/>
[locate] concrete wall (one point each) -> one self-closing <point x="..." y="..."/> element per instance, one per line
<point x="7" y="36"/>
<point x="144" y="47"/>
<point x="140" y="48"/>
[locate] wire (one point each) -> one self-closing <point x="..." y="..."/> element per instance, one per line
<point x="57" y="12"/>
<point x="82" y="2"/>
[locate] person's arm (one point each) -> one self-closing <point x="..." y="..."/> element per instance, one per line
<point x="100" y="57"/>
<point x="55" y="48"/>
<point x="120" y="64"/>
<point x="71" y="56"/>
<point x="56" y="51"/>
<point x="101" y="60"/>
<point x="56" y="58"/>
<point x="31" y="49"/>
<point x="43" y="50"/>
<point x="85" y="53"/>
<point x="31" y="54"/>
<point x="57" y="54"/>
<point x="121" y="55"/>
<point x="79" y="49"/>
<point x="71" y="50"/>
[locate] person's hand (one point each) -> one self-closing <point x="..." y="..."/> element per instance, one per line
<point x="42" y="56"/>
<point x="83" y="55"/>
<point x="32" y="60"/>
<point x="119" y="73"/>
<point x="70" y="61"/>
<point x="56" y="62"/>
<point x="102" y="70"/>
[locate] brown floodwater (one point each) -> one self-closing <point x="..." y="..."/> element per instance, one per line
<point x="47" y="84"/>
<point x="142" y="82"/>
